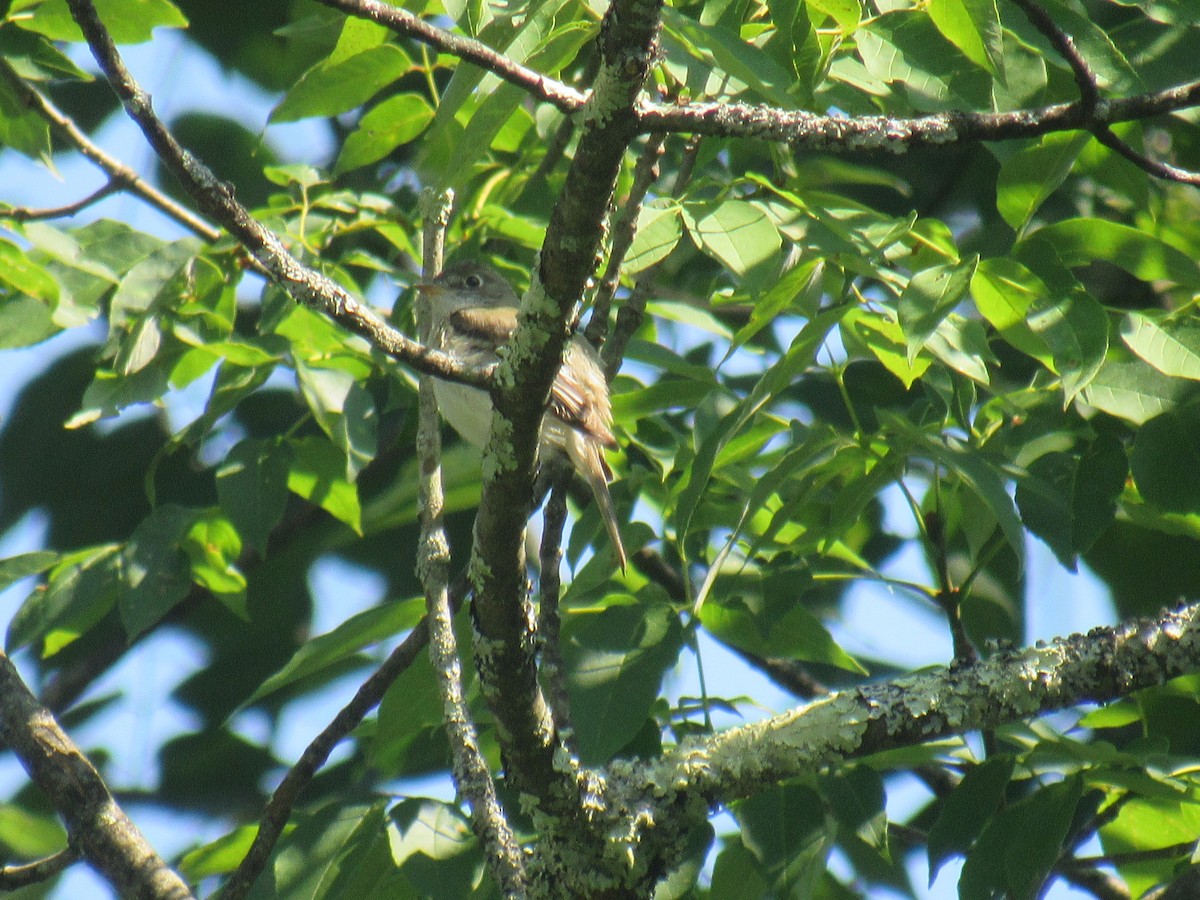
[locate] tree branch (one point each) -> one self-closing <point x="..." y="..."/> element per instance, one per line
<point x="843" y="134"/>
<point x="97" y="827"/>
<point x="505" y="644"/>
<point x="472" y="777"/>
<point x="13" y="877"/>
<point x="401" y="21"/>
<point x="1102" y="665"/>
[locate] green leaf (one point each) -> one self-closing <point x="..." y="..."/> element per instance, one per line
<point x="1030" y="176"/>
<point x="332" y="88"/>
<point x="318" y="474"/>
<point x="1079" y="242"/>
<point x="736" y="233"/>
<point x="967" y="810"/>
<point x="213" y="545"/>
<point x="788" y="832"/>
<point x="345" y="411"/>
<point x="1018" y="848"/>
<point x="1068" y="334"/>
<point x="719" y="48"/>
<point x="659" y="228"/>
<point x="16" y="568"/>
<point x="973" y="26"/>
<point x="155" y="569"/>
<point x="128" y="21"/>
<point x="846" y="13"/>
<point x="394" y="122"/>
<point x="20" y="127"/>
<point x="1170" y="345"/>
<point x="24" y="321"/>
<point x="343" y="642"/>
<point x="1164" y="460"/>
<point x="1069" y="500"/>
<point x="615" y="662"/>
<point x="737" y="874"/>
<point x="962" y="344"/>
<point x="1132" y="390"/>
<point x="82" y="587"/>
<point x="27" y="835"/>
<point x="21" y="274"/>
<point x="883" y="338"/>
<point x="252" y="485"/>
<point x="222" y="856"/>
<point x="742" y="622"/>
<point x="929" y="297"/>
<point x="777" y="378"/>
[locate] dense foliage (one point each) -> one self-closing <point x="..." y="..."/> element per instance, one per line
<point x="844" y="340"/>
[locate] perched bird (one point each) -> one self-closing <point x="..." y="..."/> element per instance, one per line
<point x="472" y="313"/>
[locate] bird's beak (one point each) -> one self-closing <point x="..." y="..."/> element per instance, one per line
<point x="428" y="289"/>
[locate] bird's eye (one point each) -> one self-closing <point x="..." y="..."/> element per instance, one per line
<point x="473" y="281"/>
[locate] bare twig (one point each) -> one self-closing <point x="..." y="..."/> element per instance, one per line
<point x="554" y="92"/>
<point x="118" y="173"/>
<point x="472" y="778"/>
<point x="553" y="669"/>
<point x="624" y="230"/>
<point x="32" y="214"/>
<point x="96" y="826"/>
<point x="13" y="877"/>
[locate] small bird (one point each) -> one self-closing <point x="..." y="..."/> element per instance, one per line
<point x="473" y="312"/>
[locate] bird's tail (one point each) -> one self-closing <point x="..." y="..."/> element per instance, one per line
<point x="590" y="464"/>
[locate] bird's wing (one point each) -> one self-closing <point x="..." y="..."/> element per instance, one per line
<point x="579" y="396"/>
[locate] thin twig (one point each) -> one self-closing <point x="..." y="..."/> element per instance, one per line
<point x="624" y="229"/>
<point x="400" y="20"/>
<point x="553" y="670"/>
<point x="1089" y="96"/>
<point x="279" y="807"/>
<point x="33" y="214"/>
<point x="118" y="173"/>
<point x="13" y="877"/>
<point x="472" y="777"/>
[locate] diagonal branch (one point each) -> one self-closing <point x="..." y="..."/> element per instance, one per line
<point x="401" y="21"/>
<point x="97" y="827"/>
<point x="217" y="200"/>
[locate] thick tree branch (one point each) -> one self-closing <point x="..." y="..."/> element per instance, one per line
<point x="472" y="777"/>
<point x="217" y="200"/>
<point x="399" y="20"/>
<point x="505" y="645"/>
<point x="1102" y="665"/>
<point x="96" y="826"/>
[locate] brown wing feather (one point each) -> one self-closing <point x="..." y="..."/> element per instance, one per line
<point x="578" y="395"/>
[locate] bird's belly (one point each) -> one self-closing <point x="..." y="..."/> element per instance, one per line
<point x="467" y="409"/>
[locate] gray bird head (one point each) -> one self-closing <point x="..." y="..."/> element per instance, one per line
<point x="467" y="285"/>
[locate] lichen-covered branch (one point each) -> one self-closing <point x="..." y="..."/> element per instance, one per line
<point x="1102" y="665"/>
<point x="97" y="827"/>
<point x="851" y="134"/>
<point x="505" y="641"/>
<point x="472" y="777"/>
